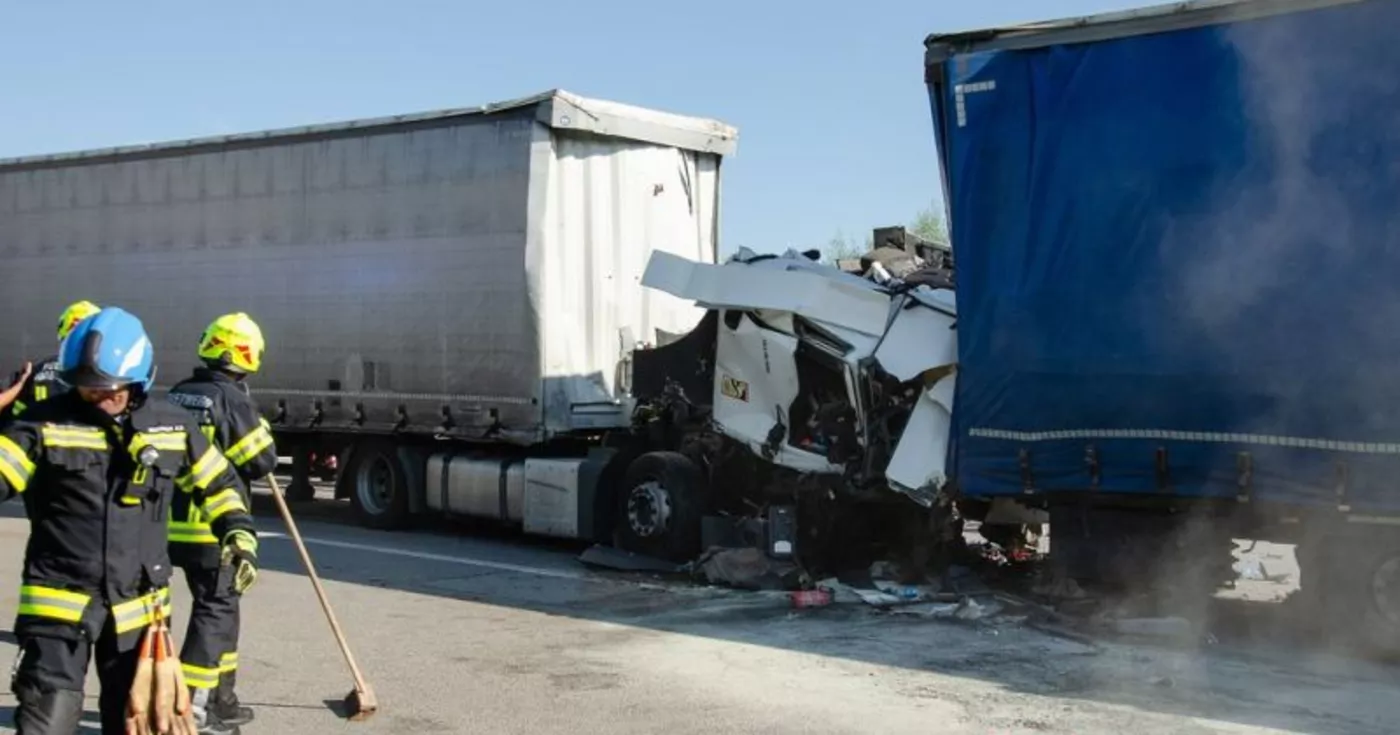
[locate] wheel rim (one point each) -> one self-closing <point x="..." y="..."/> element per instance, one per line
<point x="1385" y="589"/>
<point x="374" y="486"/>
<point x="649" y="509"/>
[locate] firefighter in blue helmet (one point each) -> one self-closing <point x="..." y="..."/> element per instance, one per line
<point x="97" y="469"/>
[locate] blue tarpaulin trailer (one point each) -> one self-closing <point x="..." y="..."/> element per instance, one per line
<point x="1177" y="234"/>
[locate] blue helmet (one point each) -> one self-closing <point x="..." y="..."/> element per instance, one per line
<point x="108" y="350"/>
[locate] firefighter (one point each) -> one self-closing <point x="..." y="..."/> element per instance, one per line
<point x="8" y="396"/>
<point x="231" y="349"/>
<point x="43" y="381"/>
<point x="97" y="469"/>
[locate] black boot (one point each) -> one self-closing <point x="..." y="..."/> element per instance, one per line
<point x="205" y="719"/>
<point x="56" y="711"/>
<point x="225" y="705"/>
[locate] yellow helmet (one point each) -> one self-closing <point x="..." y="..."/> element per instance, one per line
<point x="232" y="342"/>
<point x="75" y="313"/>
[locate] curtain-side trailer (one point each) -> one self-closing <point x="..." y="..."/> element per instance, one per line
<point x="450" y="299"/>
<point x="1177" y="250"/>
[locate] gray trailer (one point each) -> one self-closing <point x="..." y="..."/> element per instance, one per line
<point x="450" y="300"/>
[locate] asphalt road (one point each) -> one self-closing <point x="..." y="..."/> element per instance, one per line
<point x="472" y="634"/>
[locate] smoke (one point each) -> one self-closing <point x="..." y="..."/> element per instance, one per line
<point x="1278" y="280"/>
<point x="1291" y="278"/>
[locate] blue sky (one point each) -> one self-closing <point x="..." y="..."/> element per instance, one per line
<point x="834" y="130"/>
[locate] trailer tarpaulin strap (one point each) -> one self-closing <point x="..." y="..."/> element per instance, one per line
<point x="1183" y="239"/>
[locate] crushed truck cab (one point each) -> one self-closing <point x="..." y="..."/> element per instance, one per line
<point x="813" y="366"/>
<point x="804" y="386"/>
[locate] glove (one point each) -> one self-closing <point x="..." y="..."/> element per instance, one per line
<point x="241" y="552"/>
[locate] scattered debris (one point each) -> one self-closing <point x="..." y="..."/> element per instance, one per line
<point x="975" y="589"/>
<point x="748" y="568"/>
<point x="970" y="609"/>
<point x="818" y="597"/>
<point x="928" y="609"/>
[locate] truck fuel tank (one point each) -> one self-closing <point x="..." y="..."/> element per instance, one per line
<point x="547" y="496"/>
<point x="478" y="487"/>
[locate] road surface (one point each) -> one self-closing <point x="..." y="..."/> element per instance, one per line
<point x="466" y="634"/>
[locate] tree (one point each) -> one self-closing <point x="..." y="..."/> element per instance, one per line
<point x="840" y="247"/>
<point x="929" y="225"/>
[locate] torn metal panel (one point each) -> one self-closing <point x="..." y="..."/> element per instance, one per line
<point x="919" y="339"/>
<point x="920" y="462"/>
<point x="740" y="286"/>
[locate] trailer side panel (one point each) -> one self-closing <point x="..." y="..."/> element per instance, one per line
<point x="1177" y="255"/>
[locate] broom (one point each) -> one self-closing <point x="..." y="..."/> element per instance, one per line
<point x="183" y="711"/>
<point x="163" y="702"/>
<point x="138" y="703"/>
<point x="172" y="710"/>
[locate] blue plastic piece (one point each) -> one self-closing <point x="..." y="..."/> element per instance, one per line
<point x="1175" y="248"/>
<point x="109" y="349"/>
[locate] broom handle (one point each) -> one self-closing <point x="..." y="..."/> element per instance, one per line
<point x="316" y="582"/>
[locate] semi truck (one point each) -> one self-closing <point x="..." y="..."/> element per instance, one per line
<point x="1177" y="249"/>
<point x="449" y="299"/>
<point x="492" y="312"/>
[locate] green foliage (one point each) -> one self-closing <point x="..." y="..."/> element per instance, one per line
<point x="929" y="225"/>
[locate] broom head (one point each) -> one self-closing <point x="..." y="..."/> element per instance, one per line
<point x="138" y="702"/>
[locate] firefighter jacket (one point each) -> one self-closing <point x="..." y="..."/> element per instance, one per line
<point x="43" y="383"/>
<point x="229" y="419"/>
<point x="97" y="491"/>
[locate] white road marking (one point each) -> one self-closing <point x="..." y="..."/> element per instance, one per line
<point x="426" y="556"/>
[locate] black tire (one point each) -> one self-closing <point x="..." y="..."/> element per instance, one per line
<point x="674" y="533"/>
<point x="1362" y="592"/>
<point x="378" y="487"/>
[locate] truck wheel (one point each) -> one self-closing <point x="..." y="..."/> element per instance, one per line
<point x="378" y="487"/>
<point x="1364" y="592"/>
<point x="660" y="506"/>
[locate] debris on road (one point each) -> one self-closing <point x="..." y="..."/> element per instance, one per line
<point x="818" y="597"/>
<point x="747" y="568"/>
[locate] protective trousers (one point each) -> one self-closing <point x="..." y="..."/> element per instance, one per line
<point x="209" y="657"/>
<point x="48" y="681"/>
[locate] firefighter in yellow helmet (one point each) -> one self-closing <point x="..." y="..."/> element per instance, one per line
<point x="43" y="381"/>
<point x="231" y="349"/>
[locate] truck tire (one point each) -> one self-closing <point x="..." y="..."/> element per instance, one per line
<point x="1362" y="594"/>
<point x="378" y="487"/>
<point x="660" y="506"/>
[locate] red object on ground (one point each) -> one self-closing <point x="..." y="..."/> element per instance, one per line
<point x="811" y="598"/>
